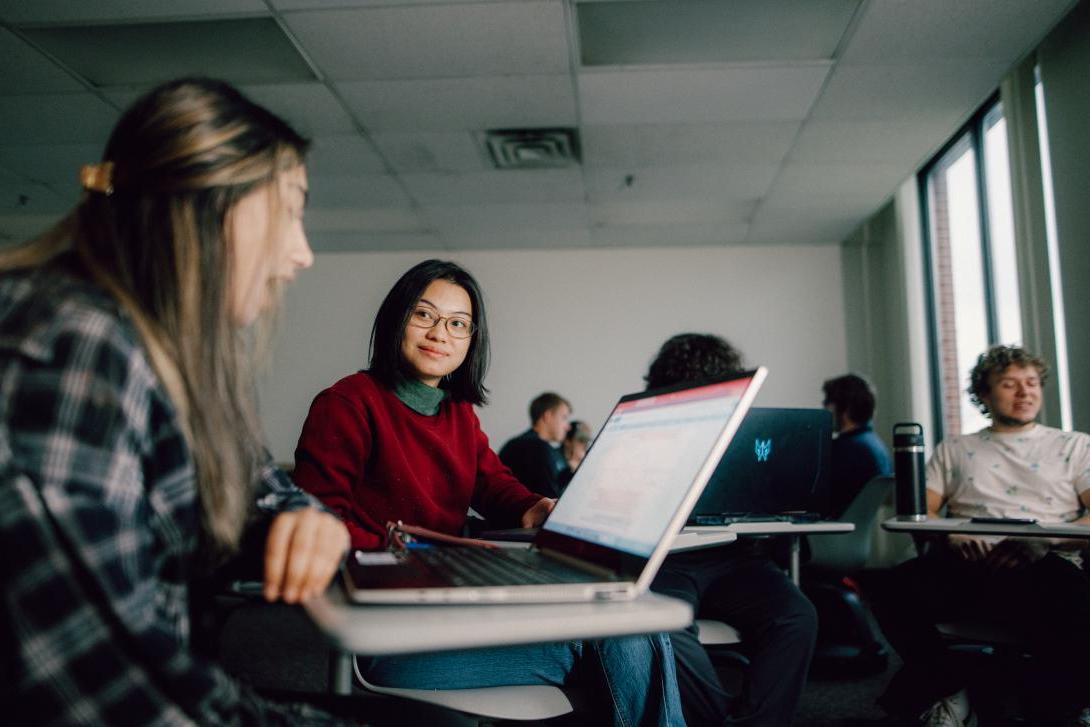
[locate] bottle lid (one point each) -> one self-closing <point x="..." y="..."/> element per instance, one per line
<point x="907" y="434"/>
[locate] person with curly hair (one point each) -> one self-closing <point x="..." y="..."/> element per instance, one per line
<point x="1019" y="468"/>
<point x="739" y="584"/>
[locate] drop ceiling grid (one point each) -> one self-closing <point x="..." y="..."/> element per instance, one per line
<point x="435" y="41"/>
<point x="906" y="31"/>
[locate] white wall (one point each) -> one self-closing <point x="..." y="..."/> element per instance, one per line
<point x="582" y="322"/>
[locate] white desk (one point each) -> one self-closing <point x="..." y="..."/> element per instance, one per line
<point x="793" y="530"/>
<point x="699" y="538"/>
<point x="961" y="525"/>
<point x="384" y="630"/>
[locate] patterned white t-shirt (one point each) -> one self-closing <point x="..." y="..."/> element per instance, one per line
<point x="1039" y="474"/>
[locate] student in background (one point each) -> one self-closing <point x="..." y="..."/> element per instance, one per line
<point x="1013" y="468"/>
<point x="858" y="455"/>
<point x="130" y="450"/>
<point x="576" y="442"/>
<point x="400" y="441"/>
<point x="739" y="584"/>
<point x="535" y="456"/>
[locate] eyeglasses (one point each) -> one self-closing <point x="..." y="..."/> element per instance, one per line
<point x="457" y="326"/>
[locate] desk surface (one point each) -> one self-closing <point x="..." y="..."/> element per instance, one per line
<point x="381" y="630"/>
<point x="962" y="525"/>
<point x="773" y="528"/>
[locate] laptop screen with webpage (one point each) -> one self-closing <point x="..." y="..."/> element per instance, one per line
<point x="645" y="462"/>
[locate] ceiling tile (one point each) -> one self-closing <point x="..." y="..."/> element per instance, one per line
<point x="64" y="11"/>
<point x="694" y="181"/>
<point x="57" y="165"/>
<point x="343" y="155"/>
<point x="895" y="31"/>
<point x="56" y="119"/>
<point x="309" y="107"/>
<point x="28" y="71"/>
<point x="364" y="191"/>
<point x="671" y="212"/>
<point x="436" y="151"/>
<point x="650" y="145"/>
<point x="15" y="228"/>
<point x="398" y="219"/>
<point x="22" y="198"/>
<point x="669" y="235"/>
<point x="239" y="50"/>
<point x="432" y="41"/>
<point x="800" y="181"/>
<point x="509" y="185"/>
<point x="700" y="95"/>
<point x="517" y="238"/>
<point x="698" y="31"/>
<point x="903" y="142"/>
<point x="802" y="229"/>
<point x="373" y="241"/>
<point x="506" y="217"/>
<point x="930" y="93"/>
<point x="462" y="103"/>
<point x="338" y="4"/>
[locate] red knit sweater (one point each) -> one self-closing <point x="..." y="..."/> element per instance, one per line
<point x="372" y="459"/>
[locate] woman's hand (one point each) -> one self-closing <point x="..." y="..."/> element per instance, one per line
<point x="537" y="514"/>
<point x="302" y="553"/>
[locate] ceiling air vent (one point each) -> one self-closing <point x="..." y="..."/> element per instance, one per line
<point x="532" y="148"/>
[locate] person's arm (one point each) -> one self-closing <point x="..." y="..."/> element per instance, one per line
<point x="532" y="464"/>
<point x="305" y="543"/>
<point x="97" y="526"/>
<point x="498" y="495"/>
<point x="329" y="460"/>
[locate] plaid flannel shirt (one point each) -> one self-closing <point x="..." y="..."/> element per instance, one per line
<point x="99" y="523"/>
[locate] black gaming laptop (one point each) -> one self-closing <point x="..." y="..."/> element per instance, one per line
<point x="776" y="468"/>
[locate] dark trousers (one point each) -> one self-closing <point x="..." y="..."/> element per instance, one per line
<point x="1048" y="600"/>
<point x="739" y="584"/>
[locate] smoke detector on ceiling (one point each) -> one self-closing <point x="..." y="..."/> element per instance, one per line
<point x="532" y="148"/>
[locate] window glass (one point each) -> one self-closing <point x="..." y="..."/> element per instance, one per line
<point x="1006" y="301"/>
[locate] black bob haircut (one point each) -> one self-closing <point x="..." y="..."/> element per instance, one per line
<point x="466" y="383"/>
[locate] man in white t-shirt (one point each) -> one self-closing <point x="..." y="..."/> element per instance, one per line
<point x="1014" y="468"/>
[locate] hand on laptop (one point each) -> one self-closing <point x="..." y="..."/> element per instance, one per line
<point x="537" y="514"/>
<point x="302" y="553"/>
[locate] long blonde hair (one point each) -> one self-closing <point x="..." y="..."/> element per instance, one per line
<point x="182" y="156"/>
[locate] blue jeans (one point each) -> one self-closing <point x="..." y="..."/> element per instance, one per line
<point x="636" y="673"/>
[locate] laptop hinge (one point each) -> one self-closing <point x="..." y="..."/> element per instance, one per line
<point x="579" y="563"/>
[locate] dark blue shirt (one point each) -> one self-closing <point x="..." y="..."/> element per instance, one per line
<point x="537" y="464"/>
<point x="858" y="456"/>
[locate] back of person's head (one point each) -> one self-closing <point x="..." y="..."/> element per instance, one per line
<point x="152" y="230"/>
<point x="996" y="360"/>
<point x="579" y="432"/>
<point x="466" y="383"/>
<point x="689" y="357"/>
<point x="544" y="403"/>
<point x="850" y="395"/>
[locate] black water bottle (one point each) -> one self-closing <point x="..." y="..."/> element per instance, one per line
<point x="909" y="469"/>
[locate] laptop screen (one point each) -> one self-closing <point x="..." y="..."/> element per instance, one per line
<point x="778" y="461"/>
<point x="642" y="464"/>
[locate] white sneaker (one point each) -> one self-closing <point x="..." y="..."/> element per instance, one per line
<point x="948" y="712"/>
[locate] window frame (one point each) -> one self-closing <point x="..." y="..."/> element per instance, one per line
<point x="974" y="130"/>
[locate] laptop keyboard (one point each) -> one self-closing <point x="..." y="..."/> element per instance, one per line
<point x="488" y="567"/>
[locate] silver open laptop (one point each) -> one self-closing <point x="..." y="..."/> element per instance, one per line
<point x="612" y="527"/>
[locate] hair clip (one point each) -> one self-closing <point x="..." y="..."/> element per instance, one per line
<point x="98" y="177"/>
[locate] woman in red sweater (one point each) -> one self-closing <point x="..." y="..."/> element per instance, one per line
<point x="401" y="441"/>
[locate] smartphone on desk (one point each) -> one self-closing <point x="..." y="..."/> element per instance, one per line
<point x="1003" y="520"/>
